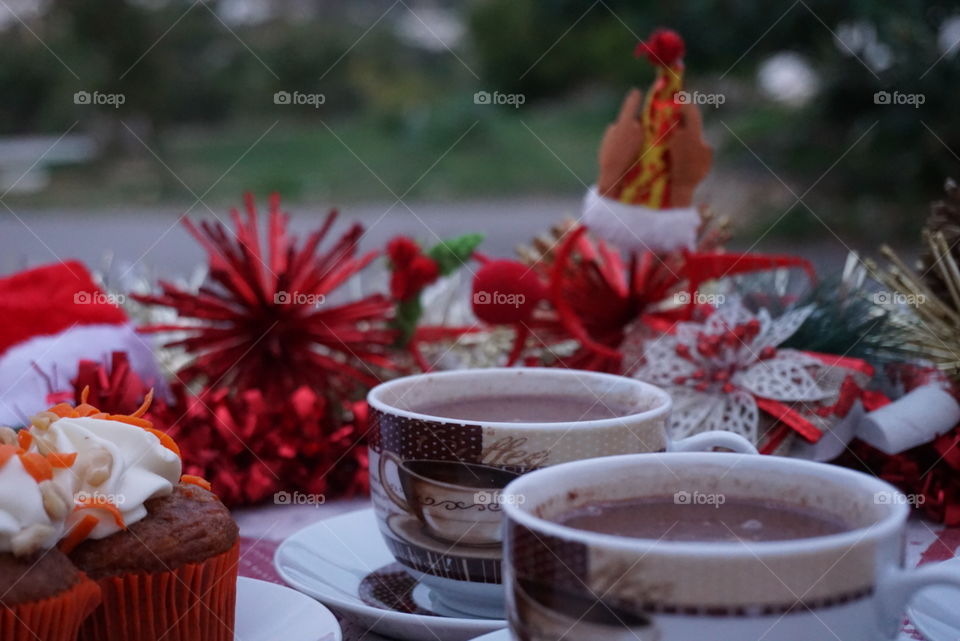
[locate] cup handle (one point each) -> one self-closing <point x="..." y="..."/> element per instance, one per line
<point x="706" y="441"/>
<point x="900" y="586"/>
<point x="396" y="498"/>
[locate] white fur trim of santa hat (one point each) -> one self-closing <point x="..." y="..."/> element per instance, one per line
<point x="51" y="318"/>
<point x="639" y="228"/>
<point x="30" y="371"/>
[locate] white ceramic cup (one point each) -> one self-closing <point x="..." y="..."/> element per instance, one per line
<point x="436" y="481"/>
<point x="581" y="585"/>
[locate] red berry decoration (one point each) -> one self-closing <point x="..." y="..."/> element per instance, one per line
<point x="505" y="292"/>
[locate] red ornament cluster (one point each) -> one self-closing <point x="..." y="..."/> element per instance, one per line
<point x="269" y="401"/>
<point x="412" y="269"/>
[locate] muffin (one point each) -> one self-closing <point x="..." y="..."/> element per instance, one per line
<point x="162" y="548"/>
<point x="43" y="596"/>
<point x="187" y="534"/>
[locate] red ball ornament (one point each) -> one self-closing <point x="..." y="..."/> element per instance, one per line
<point x="505" y="292"/>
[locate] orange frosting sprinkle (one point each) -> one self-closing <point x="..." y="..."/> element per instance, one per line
<point x="78" y="533"/>
<point x="196" y="480"/>
<point x="85" y="410"/>
<point x="148" y="399"/>
<point x="62" y="459"/>
<point x="25" y="439"/>
<point x="7" y="452"/>
<point x="97" y="502"/>
<point x="37" y="466"/>
<point x="165" y="440"/>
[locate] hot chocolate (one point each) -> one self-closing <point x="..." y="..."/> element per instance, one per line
<point x="703" y="517"/>
<point x="526" y="408"/>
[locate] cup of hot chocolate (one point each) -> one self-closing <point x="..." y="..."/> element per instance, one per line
<point x="444" y="445"/>
<point x="694" y="546"/>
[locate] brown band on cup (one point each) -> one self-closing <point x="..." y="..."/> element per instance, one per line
<point x="413" y="438"/>
<point x="448" y="566"/>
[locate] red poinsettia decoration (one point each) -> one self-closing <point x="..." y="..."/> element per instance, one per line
<point x="594" y="293"/>
<point x="663" y="48"/>
<point x="265" y="321"/>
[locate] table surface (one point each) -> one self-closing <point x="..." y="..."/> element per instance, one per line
<point x="263" y="528"/>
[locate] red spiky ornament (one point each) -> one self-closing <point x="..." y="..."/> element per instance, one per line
<point x="264" y="321"/>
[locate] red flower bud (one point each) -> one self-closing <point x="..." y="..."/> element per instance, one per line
<point x="402" y="250"/>
<point x="664" y="48"/>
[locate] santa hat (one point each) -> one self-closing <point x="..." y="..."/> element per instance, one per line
<point x="52" y="318"/>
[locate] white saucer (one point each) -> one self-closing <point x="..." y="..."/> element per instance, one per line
<point x="344" y="563"/>
<point x="267" y="611"/>
<point x="934" y="610"/>
<point x="499" y="635"/>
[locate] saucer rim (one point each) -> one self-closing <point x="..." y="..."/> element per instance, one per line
<point x="922" y="621"/>
<point x="328" y="620"/>
<point x="359" y="608"/>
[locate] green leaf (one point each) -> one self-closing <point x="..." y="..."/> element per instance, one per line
<point x="451" y="254"/>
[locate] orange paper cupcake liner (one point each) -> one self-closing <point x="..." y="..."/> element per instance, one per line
<point x="195" y="602"/>
<point x="57" y="618"/>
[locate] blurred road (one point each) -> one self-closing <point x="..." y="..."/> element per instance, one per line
<point x="152" y="241"/>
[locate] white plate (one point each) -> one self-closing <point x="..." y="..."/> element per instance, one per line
<point x="267" y="612"/>
<point x="332" y="559"/>
<point x="934" y="610"/>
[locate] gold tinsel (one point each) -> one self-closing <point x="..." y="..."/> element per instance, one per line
<point x="929" y="300"/>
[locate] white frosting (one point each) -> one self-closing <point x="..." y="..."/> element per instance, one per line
<point x="25" y="524"/>
<point x="121" y="463"/>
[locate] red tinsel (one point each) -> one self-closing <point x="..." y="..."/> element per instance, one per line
<point x="266" y="403"/>
<point x="250" y="449"/>
<point x="247" y="448"/>
<point x="265" y="322"/>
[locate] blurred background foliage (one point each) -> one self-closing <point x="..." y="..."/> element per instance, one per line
<point x="799" y="80"/>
